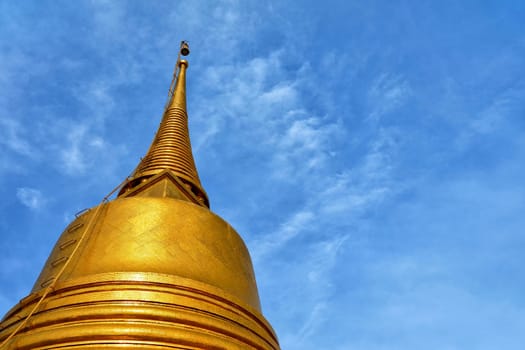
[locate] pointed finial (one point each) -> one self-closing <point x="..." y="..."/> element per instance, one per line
<point x="184" y="48"/>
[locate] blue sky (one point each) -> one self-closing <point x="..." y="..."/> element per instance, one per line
<point x="371" y="154"/>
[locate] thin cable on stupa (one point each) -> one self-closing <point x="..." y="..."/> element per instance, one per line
<point x="50" y="287"/>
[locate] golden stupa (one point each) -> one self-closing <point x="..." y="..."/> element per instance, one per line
<point x="152" y="269"/>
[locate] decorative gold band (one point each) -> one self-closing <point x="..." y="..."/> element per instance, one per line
<point x="138" y="310"/>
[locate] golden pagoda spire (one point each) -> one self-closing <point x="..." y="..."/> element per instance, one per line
<point x="171" y="147"/>
<point x="152" y="269"/>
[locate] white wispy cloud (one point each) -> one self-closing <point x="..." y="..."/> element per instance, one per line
<point x="331" y="199"/>
<point x="84" y="150"/>
<point x="321" y="263"/>
<point x="289" y="229"/>
<point x="14" y="136"/>
<point x="73" y="158"/>
<point x="31" y="197"/>
<point x="98" y="95"/>
<point x="270" y="112"/>
<point x="319" y="231"/>
<point x="387" y="92"/>
<point x="493" y="117"/>
<point x="309" y="327"/>
<point x="69" y="141"/>
<point x="305" y="145"/>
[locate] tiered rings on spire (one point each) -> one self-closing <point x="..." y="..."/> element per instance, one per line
<point x="171" y="148"/>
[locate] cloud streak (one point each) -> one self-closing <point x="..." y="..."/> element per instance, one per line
<point x="31" y="198"/>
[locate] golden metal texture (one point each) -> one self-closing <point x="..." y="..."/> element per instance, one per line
<point x="152" y="269"/>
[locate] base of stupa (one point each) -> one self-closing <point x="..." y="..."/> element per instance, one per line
<point x="136" y="310"/>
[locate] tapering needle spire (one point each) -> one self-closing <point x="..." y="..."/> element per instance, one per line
<point x="171" y="147"/>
